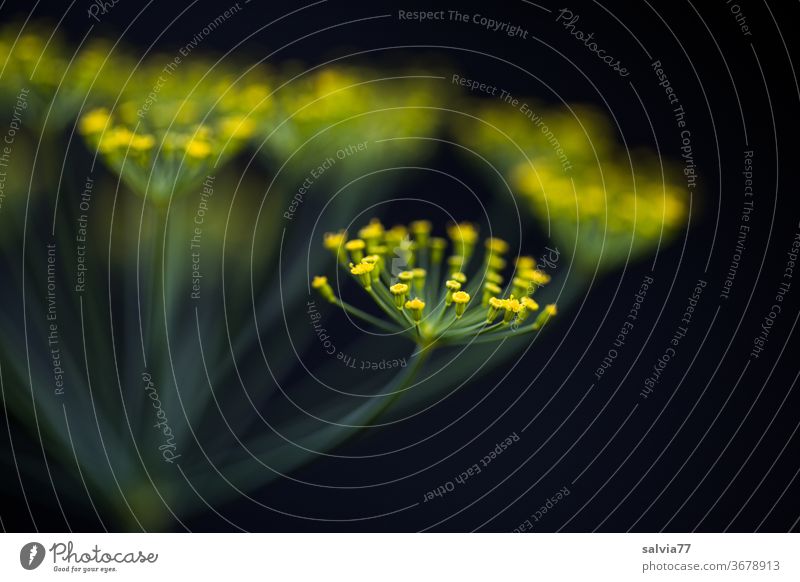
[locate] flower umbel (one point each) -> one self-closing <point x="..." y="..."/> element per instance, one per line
<point x="435" y="302"/>
<point x="168" y="144"/>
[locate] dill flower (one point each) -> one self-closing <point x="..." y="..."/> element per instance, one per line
<point x="372" y="105"/>
<point x="371" y="233"/>
<point x="421" y="229"/>
<point x="327" y="108"/>
<point x="580" y="182"/>
<point x="609" y="207"/>
<point x="494" y="277"/>
<point x="452" y="286"/>
<point x="441" y="310"/>
<point x="363" y="272"/>
<point x="528" y="305"/>
<point x="37" y="60"/>
<point x="490" y="290"/>
<point x="548" y="312"/>
<point x="147" y="160"/>
<point x="418" y="277"/>
<point x="525" y="263"/>
<point x="496" y="245"/>
<point x="460" y="298"/>
<point x="175" y="126"/>
<point x="495" y="305"/>
<point x="415" y="307"/>
<point x="356" y="249"/>
<point x="400" y="292"/>
<point x="458" y="276"/>
<point x="438" y="245"/>
<point x="512" y="308"/>
<point x="321" y="284"/>
<point x="334" y="240"/>
<point x="463" y="236"/>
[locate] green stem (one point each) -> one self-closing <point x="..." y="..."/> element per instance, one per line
<point x="442" y="309"/>
<point x="390" y="310"/>
<point x="482" y="327"/>
<point x="365" y="316"/>
<point x="284" y="457"/>
<point x="497" y="337"/>
<point x="406" y="381"/>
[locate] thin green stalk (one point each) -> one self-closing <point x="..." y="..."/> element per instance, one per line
<point x="283" y="457"/>
<point x="473" y="316"/>
<point x="390" y="310"/>
<point x="405" y="382"/>
<point x="365" y="316"/>
<point x="482" y="325"/>
<point x="527" y="329"/>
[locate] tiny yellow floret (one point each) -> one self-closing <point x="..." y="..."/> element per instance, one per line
<point x="496" y="245"/>
<point x="95" y="121"/>
<point x="460" y="298"/>
<point x="400" y="292"/>
<point x="415" y="306"/>
<point x="198" y="148"/>
<point x="320" y="283"/>
<point x="333" y="240"/>
<point x="363" y="272"/>
<point x="356" y="248"/>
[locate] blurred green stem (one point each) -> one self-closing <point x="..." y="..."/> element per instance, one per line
<point x="281" y="454"/>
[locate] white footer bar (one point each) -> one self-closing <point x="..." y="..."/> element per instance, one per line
<point x="401" y="557"/>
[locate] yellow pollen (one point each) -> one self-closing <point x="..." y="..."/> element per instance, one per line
<point x="496" y="245"/>
<point x="142" y="143"/>
<point x="460" y="297"/>
<point x="525" y="263"/>
<point x="198" y="148"/>
<point x="535" y="276"/>
<point x="373" y="230"/>
<point x="399" y="289"/>
<point x="355" y="245"/>
<point x="361" y="268"/>
<point x="464" y="232"/>
<point x="415" y="304"/>
<point x="497" y="303"/>
<point x="421" y="226"/>
<point x="95" y="121"/>
<point x="237" y="127"/>
<point x="492" y="288"/>
<point x="333" y="240"/>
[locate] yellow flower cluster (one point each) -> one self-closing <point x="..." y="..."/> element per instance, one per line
<point x="332" y="94"/>
<point x="166" y="123"/>
<point x="61" y="80"/>
<point x="165" y="141"/>
<point x="404" y="270"/>
<point x="582" y="185"/>
<point x="35" y="63"/>
<point x="324" y="110"/>
<point x="638" y="201"/>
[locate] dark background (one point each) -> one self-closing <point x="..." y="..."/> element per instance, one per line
<point x="728" y="438"/>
